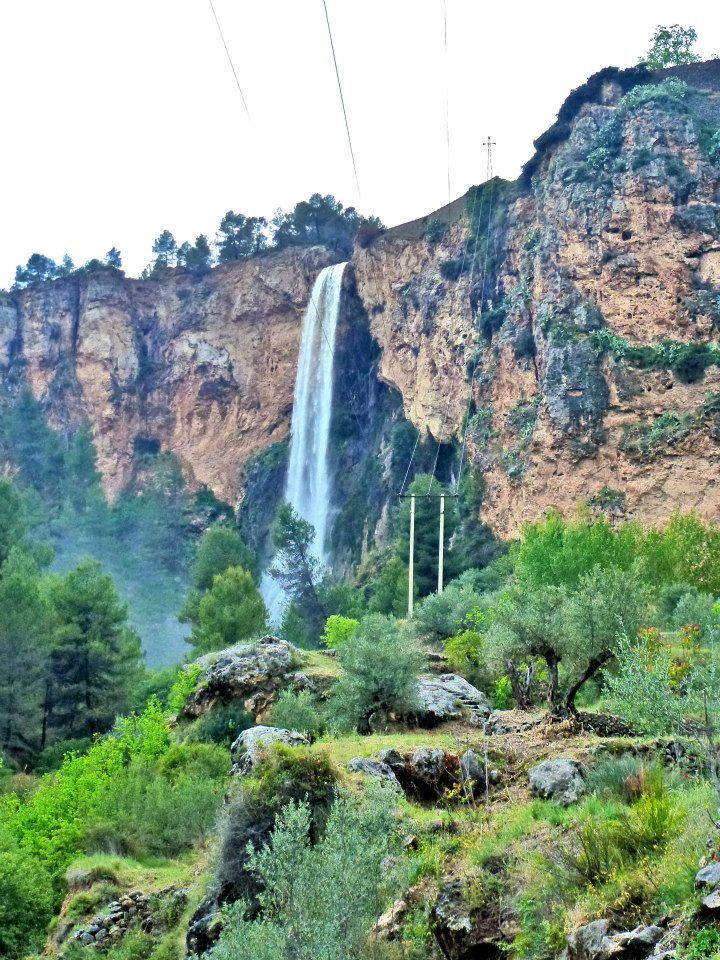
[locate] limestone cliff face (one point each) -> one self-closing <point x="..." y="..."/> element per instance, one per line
<point x="203" y="368"/>
<point x="595" y="342"/>
<point x="571" y="321"/>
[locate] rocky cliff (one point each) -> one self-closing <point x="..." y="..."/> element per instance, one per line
<point x="560" y="332"/>
<point x="572" y="319"/>
<point x="201" y="367"/>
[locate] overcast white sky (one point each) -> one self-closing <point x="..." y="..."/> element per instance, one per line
<point x="121" y="117"/>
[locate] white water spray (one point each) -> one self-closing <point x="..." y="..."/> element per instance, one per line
<point x="308" y="479"/>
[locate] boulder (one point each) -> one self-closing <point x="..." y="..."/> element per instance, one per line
<point x="252" y="673"/>
<point x="252" y="744"/>
<point x="464" y="932"/>
<point x="372" y="768"/>
<point x="590" y="942"/>
<point x="445" y="697"/>
<point x="560" y="780"/>
<point x="711" y="903"/>
<point x="709" y="876"/>
<point x="389" y="925"/>
<point x="594" y="941"/>
<point x="640" y="941"/>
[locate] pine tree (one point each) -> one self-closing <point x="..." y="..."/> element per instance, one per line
<point x="113" y="258"/>
<point x="95" y="656"/>
<point x="165" y="250"/>
<point x="24" y="627"/>
<point x="230" y="612"/>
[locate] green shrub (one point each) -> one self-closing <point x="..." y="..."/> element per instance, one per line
<point x="26" y="901"/>
<point x="595" y="854"/>
<point x="321" y="900"/>
<point x="381" y="668"/>
<point x="652" y="820"/>
<point x="337" y="630"/>
<point x="703" y="944"/>
<point x="451" y="269"/>
<point x="144" y="812"/>
<point x="297" y="711"/>
<point x="435" y="230"/>
<point x="52" y="757"/>
<point x="502" y="694"/>
<point x="223" y="724"/>
<point x="622" y="777"/>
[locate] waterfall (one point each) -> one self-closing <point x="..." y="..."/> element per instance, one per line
<point x="307" y="486"/>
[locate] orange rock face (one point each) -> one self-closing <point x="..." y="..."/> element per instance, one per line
<point x="203" y="368"/>
<point x="600" y="253"/>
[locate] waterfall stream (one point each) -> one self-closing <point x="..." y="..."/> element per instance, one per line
<point x="307" y="486"/>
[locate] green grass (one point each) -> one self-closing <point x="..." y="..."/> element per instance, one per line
<point x="342" y="749"/>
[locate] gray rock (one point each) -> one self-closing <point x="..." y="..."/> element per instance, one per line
<point x="560" y="780"/>
<point x="709" y="876"/>
<point x="445" y="697"/>
<point x="253" y="743"/>
<point x="463" y="931"/>
<point x="391" y="757"/>
<point x="250" y="672"/>
<point x="591" y="942"/>
<point x="576" y="392"/>
<point x="641" y="940"/>
<point x="472" y="772"/>
<point x="711" y="902"/>
<point x="372" y="768"/>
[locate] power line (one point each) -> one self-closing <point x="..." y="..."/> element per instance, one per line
<point x="230" y="60"/>
<point x="489" y="144"/>
<point x="447" y="103"/>
<point x="342" y="98"/>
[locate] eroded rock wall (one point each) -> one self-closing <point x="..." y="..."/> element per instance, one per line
<point x="201" y="367"/>
<point x="606" y="267"/>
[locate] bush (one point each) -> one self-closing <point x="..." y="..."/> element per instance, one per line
<point x="145" y="812"/>
<point x="435" y="230"/>
<point x="321" y="900"/>
<point x="381" y="669"/>
<point x="223" y="725"/>
<point x="502" y="694"/>
<point x="440" y="615"/>
<point x="652" y="820"/>
<point x="26" y="901"/>
<point x="297" y="711"/>
<point x="622" y="777"/>
<point x="337" y="630"/>
<point x="451" y="269"/>
<point x="52" y="757"/>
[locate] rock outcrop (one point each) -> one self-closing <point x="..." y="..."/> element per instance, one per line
<point x="252" y="745"/>
<point x="446" y="696"/>
<point x="560" y="780"/>
<point x="200" y="367"/>
<point x="587" y="340"/>
<point x="252" y="673"/>
<point x="575" y="314"/>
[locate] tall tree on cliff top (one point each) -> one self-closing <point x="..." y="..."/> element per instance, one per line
<point x="240" y="236"/>
<point x="165" y="250"/>
<point x="672" y="47"/>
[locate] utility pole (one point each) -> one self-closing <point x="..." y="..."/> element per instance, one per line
<point x="412" y="556"/>
<point x="441" y="543"/>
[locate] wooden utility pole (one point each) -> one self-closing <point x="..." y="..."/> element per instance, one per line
<point x="412" y="556"/>
<point x="441" y="543"/>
